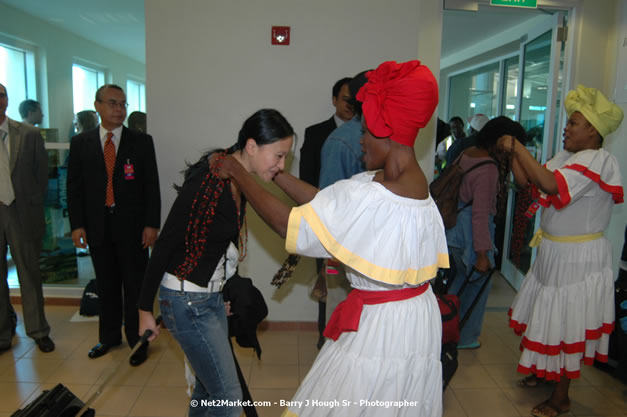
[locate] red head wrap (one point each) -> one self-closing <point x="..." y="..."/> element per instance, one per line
<point x="398" y="100"/>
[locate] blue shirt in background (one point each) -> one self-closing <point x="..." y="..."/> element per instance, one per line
<point x="341" y="155"/>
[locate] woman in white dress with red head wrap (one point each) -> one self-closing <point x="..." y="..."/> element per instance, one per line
<point x="382" y="356"/>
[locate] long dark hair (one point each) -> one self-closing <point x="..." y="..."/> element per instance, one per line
<point x="265" y="126"/>
<point x="486" y="139"/>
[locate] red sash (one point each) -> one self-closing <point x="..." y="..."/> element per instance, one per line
<point x="345" y="317"/>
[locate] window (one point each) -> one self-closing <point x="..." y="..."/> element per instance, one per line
<point x="135" y="96"/>
<point x="17" y="74"/>
<point x="510" y="88"/>
<point x="85" y="83"/>
<point x="475" y="91"/>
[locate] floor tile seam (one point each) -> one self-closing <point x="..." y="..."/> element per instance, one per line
<point x="512" y="400"/>
<point x="611" y="399"/>
<point x="494" y="381"/>
<point x="102" y="373"/>
<point x="130" y="410"/>
<point x="452" y="390"/>
<point x="504" y="385"/>
<point x="115" y="386"/>
<point x="501" y="391"/>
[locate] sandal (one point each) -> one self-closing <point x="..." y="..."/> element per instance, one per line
<point x="547" y="409"/>
<point x="530" y="381"/>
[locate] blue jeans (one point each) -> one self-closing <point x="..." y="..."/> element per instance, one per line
<point x="198" y="323"/>
<point x="462" y="254"/>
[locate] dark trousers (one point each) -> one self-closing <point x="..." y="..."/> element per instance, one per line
<point x="119" y="265"/>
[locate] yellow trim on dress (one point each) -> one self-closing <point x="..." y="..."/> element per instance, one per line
<point x="288" y="413"/>
<point x="541" y="234"/>
<point x="376" y="272"/>
<point x="293" y="227"/>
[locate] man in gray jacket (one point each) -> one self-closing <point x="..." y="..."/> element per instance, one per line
<point x="23" y="183"/>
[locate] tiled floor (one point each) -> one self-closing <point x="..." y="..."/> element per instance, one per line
<point x="484" y="386"/>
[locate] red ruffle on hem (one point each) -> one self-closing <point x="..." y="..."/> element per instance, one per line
<point x="569" y="348"/>
<point x="519" y="328"/>
<point x="551" y="350"/>
<point x="555" y="376"/>
<point x="549" y="376"/>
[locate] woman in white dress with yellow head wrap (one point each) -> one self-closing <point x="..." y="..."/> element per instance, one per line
<point x="565" y="306"/>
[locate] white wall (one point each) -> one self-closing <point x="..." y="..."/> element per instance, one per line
<point x="56" y="50"/>
<point x="616" y="143"/>
<point x="210" y="65"/>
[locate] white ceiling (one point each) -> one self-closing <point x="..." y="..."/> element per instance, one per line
<point x="120" y="24"/>
<point x="462" y="29"/>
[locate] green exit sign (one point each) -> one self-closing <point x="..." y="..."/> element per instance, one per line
<point x="515" y="3"/>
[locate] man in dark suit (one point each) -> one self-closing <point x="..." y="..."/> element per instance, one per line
<point x="309" y="167"/>
<point x="23" y="184"/>
<point x="114" y="206"/>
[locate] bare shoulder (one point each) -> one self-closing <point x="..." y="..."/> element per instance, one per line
<point x="410" y="185"/>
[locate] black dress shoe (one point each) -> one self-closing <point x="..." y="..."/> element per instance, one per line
<point x="45" y="344"/>
<point x="100" y="349"/>
<point x="139" y="356"/>
<point x="13" y="320"/>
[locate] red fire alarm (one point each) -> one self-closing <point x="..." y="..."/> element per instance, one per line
<point x="280" y="35"/>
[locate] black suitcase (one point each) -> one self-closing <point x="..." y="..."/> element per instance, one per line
<point x="61" y="402"/>
<point x="443" y="281"/>
<point x="56" y="402"/>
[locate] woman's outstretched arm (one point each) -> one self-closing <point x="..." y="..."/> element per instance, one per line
<point x="272" y="210"/>
<point x="535" y="173"/>
<point x="298" y="190"/>
<point x="520" y="176"/>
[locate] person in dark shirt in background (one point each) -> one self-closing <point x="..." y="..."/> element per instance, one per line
<point x="476" y="124"/>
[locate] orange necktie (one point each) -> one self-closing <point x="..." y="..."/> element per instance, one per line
<point x="109" y="157"/>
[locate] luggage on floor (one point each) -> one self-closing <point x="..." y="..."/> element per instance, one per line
<point x="61" y="402"/>
<point x="451" y="324"/>
<point x="56" y="402"/>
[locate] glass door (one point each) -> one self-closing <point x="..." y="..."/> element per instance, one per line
<point x="539" y="87"/>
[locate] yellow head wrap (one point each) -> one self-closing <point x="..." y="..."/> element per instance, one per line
<point x="604" y="115"/>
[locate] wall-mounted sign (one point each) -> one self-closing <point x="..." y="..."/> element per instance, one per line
<point x="515" y="3"/>
<point x="280" y="35"/>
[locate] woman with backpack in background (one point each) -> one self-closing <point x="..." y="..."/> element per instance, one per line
<point x="482" y="195"/>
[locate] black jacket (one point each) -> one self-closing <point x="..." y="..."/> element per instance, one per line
<point x="248" y="308"/>
<point x="315" y="136"/>
<point x="137" y="197"/>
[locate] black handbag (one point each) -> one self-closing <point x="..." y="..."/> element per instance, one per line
<point x="90" y="303"/>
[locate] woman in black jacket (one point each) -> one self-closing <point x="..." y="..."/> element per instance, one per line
<point x="197" y="251"/>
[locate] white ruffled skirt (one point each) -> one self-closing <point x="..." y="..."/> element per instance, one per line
<point x="390" y="367"/>
<point x="565" y="308"/>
